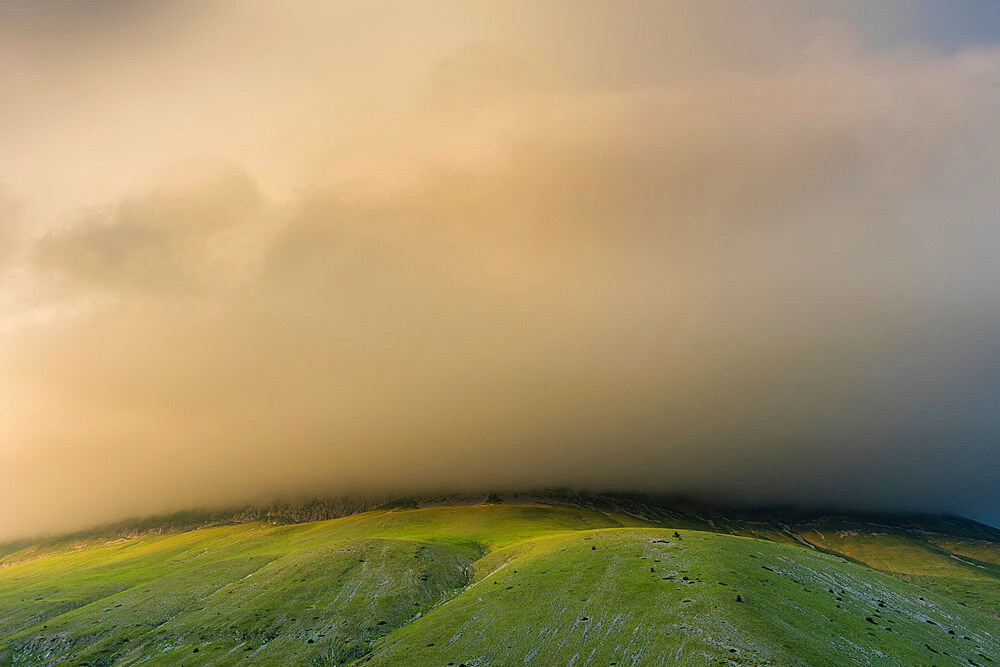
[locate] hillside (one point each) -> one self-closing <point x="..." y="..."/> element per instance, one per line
<point x="570" y="580"/>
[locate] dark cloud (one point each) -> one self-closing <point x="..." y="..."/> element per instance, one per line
<point x="165" y="240"/>
<point x="773" y="282"/>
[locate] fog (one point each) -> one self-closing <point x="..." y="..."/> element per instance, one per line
<point x="256" y="251"/>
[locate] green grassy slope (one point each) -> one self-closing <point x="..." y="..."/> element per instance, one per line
<point x="948" y="554"/>
<point x="641" y="596"/>
<point x="480" y="585"/>
<point x="255" y="588"/>
<point x="965" y="570"/>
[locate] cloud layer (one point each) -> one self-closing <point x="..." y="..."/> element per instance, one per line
<point x="659" y="248"/>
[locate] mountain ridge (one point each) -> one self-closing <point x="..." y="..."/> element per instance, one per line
<point x="713" y="516"/>
<point x="496" y="578"/>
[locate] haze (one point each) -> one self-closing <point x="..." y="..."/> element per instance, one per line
<point x="257" y="249"/>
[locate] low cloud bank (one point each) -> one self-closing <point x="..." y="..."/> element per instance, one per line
<point x="775" y="282"/>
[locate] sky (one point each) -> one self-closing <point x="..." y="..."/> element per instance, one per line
<point x="744" y="250"/>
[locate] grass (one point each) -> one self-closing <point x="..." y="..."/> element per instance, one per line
<point x="488" y="585"/>
<point x="965" y="570"/>
<point x="641" y="596"/>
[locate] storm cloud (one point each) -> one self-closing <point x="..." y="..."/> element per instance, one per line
<point x="278" y="251"/>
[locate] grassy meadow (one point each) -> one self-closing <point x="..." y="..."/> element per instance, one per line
<point x="500" y="584"/>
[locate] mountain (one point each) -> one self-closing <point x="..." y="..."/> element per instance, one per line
<point x="541" y="578"/>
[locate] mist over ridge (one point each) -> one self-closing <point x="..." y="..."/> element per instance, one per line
<point x="747" y="253"/>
